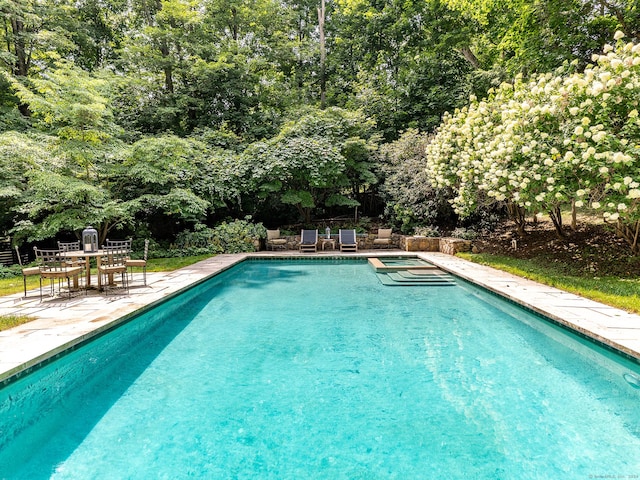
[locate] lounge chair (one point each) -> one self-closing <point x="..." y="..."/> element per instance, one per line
<point x="347" y="240"/>
<point x="384" y="238"/>
<point x="309" y="241"/>
<point x="274" y="241"/>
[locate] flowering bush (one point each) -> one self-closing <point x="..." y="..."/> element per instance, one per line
<point x="558" y="139"/>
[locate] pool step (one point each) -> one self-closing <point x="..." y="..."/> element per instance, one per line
<point x="409" y="272"/>
<point x="408" y="279"/>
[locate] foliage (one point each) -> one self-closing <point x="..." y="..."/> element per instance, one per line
<point x="228" y="237"/>
<point x="411" y="200"/>
<point x="156" y="116"/>
<point x="428" y="231"/>
<point x="552" y="141"/>
<point x="464" y="233"/>
<point x="320" y="160"/>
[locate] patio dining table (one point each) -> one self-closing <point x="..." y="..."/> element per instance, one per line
<point x="77" y="254"/>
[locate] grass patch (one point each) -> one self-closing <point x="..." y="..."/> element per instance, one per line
<point x="616" y="292"/>
<point x="170" y="264"/>
<point x="10" y="321"/>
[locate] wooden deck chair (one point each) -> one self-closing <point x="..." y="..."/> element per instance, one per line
<point x="309" y="241"/>
<point x="347" y="240"/>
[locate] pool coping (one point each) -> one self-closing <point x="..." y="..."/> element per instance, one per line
<point x="62" y="324"/>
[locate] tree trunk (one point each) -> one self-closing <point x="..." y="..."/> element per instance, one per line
<point x="323" y="55"/>
<point x="574" y="216"/>
<point x="518" y="215"/>
<point x="631" y="234"/>
<point x="23" y="60"/>
<point x="168" y="69"/>
<point x="469" y="56"/>
<point x="556" y="218"/>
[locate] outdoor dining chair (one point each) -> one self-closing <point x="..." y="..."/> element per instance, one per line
<point x="119" y="243"/>
<point x="72" y="247"/>
<point x="54" y="266"/>
<point x="26" y="271"/>
<point x="139" y="263"/>
<point x="112" y="262"/>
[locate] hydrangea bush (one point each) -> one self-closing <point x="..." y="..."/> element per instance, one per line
<point x="556" y="140"/>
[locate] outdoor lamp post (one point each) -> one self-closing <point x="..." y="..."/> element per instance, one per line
<point x="89" y="240"/>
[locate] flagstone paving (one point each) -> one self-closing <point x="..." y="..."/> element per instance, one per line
<point x="61" y="322"/>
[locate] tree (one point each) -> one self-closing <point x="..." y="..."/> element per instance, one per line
<point x="410" y="198"/>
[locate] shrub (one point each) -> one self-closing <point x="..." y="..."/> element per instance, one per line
<point x="430" y="231"/>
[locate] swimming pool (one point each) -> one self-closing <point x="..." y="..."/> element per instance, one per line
<point x="314" y="369"/>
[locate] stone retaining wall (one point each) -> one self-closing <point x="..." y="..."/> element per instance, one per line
<point x="448" y="245"/>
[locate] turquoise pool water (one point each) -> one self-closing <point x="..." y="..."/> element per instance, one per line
<point x="313" y="369"/>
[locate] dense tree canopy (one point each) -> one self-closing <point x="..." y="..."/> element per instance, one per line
<point x="158" y="115"/>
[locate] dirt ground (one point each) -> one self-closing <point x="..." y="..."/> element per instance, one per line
<point x="593" y="249"/>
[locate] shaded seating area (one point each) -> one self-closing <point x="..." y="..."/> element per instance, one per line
<point x="132" y="263"/>
<point x="309" y="241"/>
<point x="54" y="266"/>
<point x="384" y="238"/>
<point x="275" y="241"/>
<point x="347" y="240"/>
<point x="26" y="271"/>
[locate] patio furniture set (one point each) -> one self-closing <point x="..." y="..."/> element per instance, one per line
<point x="71" y="262"/>
<point x="309" y="240"/>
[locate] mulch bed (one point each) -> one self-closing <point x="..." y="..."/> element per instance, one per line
<point x="591" y="249"/>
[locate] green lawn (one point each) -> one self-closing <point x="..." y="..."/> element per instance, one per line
<point x="622" y="293"/>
